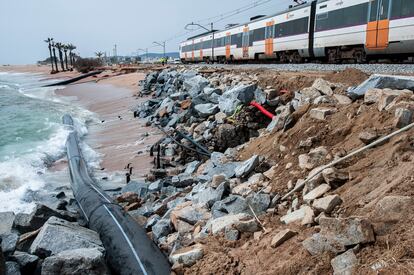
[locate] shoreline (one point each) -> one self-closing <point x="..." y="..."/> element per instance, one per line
<point x="120" y="138"/>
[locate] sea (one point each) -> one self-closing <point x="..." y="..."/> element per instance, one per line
<point x="32" y="140"/>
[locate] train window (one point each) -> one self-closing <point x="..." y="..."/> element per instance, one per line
<point x="245" y="39"/>
<point x="270" y="32"/>
<point x="323" y="6"/>
<point x="207" y="44"/>
<point x="342" y="18"/>
<point x="236" y="39"/>
<point x="228" y="40"/>
<point x="258" y="34"/>
<point x="402" y="9"/>
<point x="373" y="16"/>
<point x="294" y="27"/>
<point x="384" y="9"/>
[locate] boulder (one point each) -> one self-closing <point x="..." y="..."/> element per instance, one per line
<point x="231" y="234"/>
<point x="162" y="228"/>
<point x="323" y="86"/>
<point x="76" y="261"/>
<point x="140" y="188"/>
<point x="271" y="173"/>
<point x="209" y="195"/>
<point x="243" y="189"/>
<point x="182" y="180"/>
<point x="189" y="213"/>
<point x="33" y="221"/>
<point x="231" y="205"/>
<point x="242" y="220"/>
<point x="6" y="224"/>
<point x="338" y="233"/>
<point x="345" y="263"/>
<point x="192" y="167"/>
<point x="8" y="243"/>
<point x="206" y="110"/>
<point x="335" y="177"/>
<point x="246" y="167"/>
<point x="195" y="85"/>
<point x="316" y="193"/>
<point x="403" y="117"/>
<point x="259" y="202"/>
<point x="187" y="256"/>
<point x="342" y="99"/>
<point x="128" y="197"/>
<point x="12" y="268"/>
<point x="327" y="204"/>
<point x="389" y="211"/>
<point x="152" y="221"/>
<point x="26" y="261"/>
<point x="321" y="113"/>
<point x="217" y="180"/>
<point x="58" y="235"/>
<point x="305" y="215"/>
<point x="238" y="95"/>
<point x="368" y="136"/>
<point x="282" y="237"/>
<point x="307" y="95"/>
<point x="372" y="96"/>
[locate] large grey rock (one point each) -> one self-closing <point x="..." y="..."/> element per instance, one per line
<point x="26" y="261"/>
<point x="7" y="220"/>
<point x="210" y="195"/>
<point x="187" y="256"/>
<point x="33" y="221"/>
<point x="77" y="261"/>
<point x="282" y="237"/>
<point x="195" y="85"/>
<point x="403" y="117"/>
<point x="258" y="202"/>
<point x="182" y="180"/>
<point x="12" y="268"/>
<point x="192" y="167"/>
<point x="58" y="235"/>
<point x="327" y="204"/>
<point x="162" y="228"/>
<point x="321" y="113"/>
<point x="231" y="205"/>
<point x="345" y="263"/>
<point x="206" y="110"/>
<point x="220" y="224"/>
<point x="246" y="167"/>
<point x="316" y="193"/>
<point x="335" y="177"/>
<point x="141" y="188"/>
<point x="305" y="215"/>
<point x="336" y="234"/>
<point x="8" y="243"/>
<point x="323" y="86"/>
<point x="238" y="95"/>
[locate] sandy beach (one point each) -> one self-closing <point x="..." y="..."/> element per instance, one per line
<point x="120" y="138"/>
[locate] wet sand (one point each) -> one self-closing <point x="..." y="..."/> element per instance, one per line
<point x="121" y="138"/>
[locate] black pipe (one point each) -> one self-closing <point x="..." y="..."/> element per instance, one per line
<point x="65" y="82"/>
<point x="128" y="248"/>
<point x="204" y="150"/>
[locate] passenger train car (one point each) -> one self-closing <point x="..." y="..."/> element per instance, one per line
<point x="332" y="30"/>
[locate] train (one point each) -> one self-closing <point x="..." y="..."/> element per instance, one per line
<point x="334" y="31"/>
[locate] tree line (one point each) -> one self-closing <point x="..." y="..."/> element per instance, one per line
<point x="62" y="50"/>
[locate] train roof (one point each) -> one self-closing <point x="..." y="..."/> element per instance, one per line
<point x="297" y="7"/>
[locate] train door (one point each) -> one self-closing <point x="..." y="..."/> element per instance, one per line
<point x="192" y="51"/>
<point x="228" y="45"/>
<point x="245" y="42"/>
<point x="201" y="50"/>
<point x="269" y="36"/>
<point x="378" y="25"/>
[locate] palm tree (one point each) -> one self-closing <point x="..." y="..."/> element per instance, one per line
<point x="65" y="49"/>
<point x="71" y="47"/>
<point x="59" y="46"/>
<point x="99" y="55"/>
<point x="54" y="56"/>
<point x="49" y="42"/>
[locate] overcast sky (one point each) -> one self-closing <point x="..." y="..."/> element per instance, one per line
<point x="96" y="25"/>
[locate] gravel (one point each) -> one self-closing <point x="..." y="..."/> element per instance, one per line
<point x="368" y="68"/>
